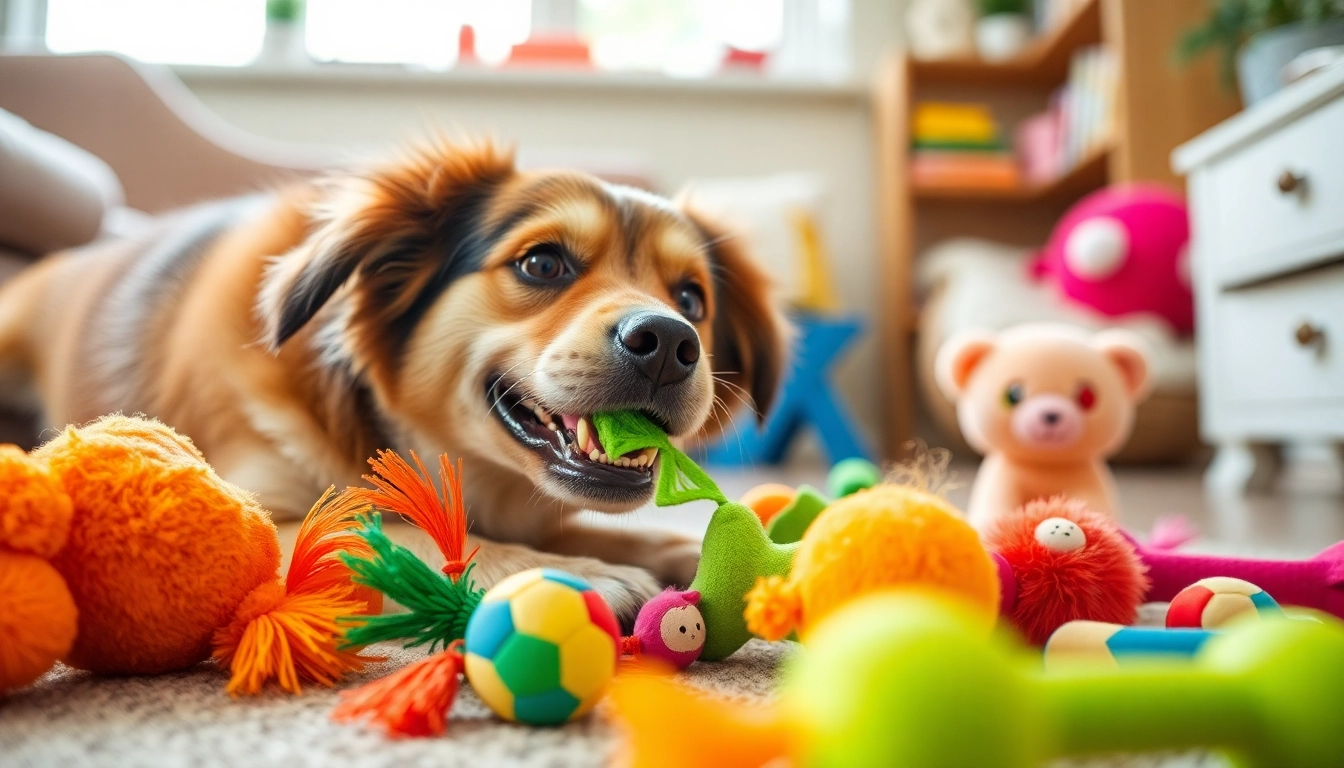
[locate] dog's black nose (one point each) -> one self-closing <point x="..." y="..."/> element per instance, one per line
<point x="1050" y="417"/>
<point x="663" y="348"/>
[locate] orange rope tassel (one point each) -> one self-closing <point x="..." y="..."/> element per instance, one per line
<point x="413" y="701"/>
<point x="408" y="491"/>
<point x="288" y="632"/>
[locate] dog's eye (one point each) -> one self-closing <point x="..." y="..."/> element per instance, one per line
<point x="542" y="264"/>
<point x="1015" y="394"/>
<point x="690" y="302"/>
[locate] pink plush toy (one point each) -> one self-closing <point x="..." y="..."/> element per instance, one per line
<point x="1314" y="583"/>
<point x="669" y="628"/>
<point x="1122" y="250"/>
<point x="1045" y="404"/>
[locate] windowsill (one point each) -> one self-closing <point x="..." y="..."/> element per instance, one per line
<point x="743" y="84"/>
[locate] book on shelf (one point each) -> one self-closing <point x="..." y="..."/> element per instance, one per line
<point x="977" y="170"/>
<point x="1079" y="121"/>
<point x="960" y="146"/>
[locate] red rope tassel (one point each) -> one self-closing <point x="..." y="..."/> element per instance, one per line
<point x="414" y="701"/>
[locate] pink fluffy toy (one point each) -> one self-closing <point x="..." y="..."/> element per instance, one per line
<point x="669" y="628"/>
<point x="1122" y="250"/>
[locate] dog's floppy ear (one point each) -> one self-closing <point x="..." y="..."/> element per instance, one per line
<point x="382" y="224"/>
<point x="751" y="335"/>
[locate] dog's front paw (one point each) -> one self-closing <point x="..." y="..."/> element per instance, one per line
<point x="676" y="564"/>
<point x="625" y="588"/>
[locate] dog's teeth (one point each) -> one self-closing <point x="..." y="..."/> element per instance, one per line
<point x="640" y="461"/>
<point x="553" y="427"/>
<point x="594" y="454"/>
<point x="528" y="404"/>
<point x="624" y="462"/>
<point x="648" y="455"/>
<point x="581" y="434"/>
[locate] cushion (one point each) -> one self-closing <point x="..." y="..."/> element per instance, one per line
<point x="53" y="194"/>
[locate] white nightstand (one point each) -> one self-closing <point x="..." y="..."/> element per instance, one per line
<point x="1266" y="195"/>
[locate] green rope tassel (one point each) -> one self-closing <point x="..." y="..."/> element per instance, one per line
<point x="439" y="606"/>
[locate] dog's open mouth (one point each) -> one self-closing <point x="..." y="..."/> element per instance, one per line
<point x="569" y="445"/>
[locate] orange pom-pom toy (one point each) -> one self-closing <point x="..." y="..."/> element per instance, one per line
<point x="122" y="552"/>
<point x="884" y="537"/>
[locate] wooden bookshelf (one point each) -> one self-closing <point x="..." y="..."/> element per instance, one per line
<point x="1158" y="106"/>
<point x="1044" y="63"/>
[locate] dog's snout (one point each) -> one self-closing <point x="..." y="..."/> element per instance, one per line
<point x="664" y="349"/>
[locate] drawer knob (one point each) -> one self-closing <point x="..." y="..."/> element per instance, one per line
<point x="1309" y="335"/>
<point x="1290" y="182"/>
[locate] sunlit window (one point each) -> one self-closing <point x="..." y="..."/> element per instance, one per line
<point x="680" y="38"/>
<point x="219" y="32"/>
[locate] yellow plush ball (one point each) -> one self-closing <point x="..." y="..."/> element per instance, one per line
<point x="161" y="550"/>
<point x="886" y="537"/>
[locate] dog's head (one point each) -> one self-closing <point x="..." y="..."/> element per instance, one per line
<point x="491" y="312"/>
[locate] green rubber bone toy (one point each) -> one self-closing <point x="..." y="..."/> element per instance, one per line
<point x="899" y="679"/>
<point x="736" y="549"/>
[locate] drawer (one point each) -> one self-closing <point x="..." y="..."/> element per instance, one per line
<point x="1262" y="230"/>
<point x="1259" y="356"/>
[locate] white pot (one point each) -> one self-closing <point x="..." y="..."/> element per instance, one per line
<point x="1002" y="35"/>
<point x="284" y="45"/>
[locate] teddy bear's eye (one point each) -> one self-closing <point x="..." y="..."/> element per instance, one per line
<point x="1015" y="394"/>
<point x="1086" y="396"/>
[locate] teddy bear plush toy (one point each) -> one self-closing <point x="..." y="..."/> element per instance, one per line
<point x="1045" y="404"/>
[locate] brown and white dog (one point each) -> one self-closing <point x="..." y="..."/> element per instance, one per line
<point x="445" y="303"/>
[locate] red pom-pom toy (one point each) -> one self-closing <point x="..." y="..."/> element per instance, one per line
<point x="1060" y="562"/>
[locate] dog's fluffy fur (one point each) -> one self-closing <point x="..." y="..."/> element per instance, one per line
<point x="291" y="336"/>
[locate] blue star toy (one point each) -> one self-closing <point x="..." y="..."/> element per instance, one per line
<point x="807" y="397"/>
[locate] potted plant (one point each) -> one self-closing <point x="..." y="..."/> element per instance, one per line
<point x="1004" y="28"/>
<point x="284" y="43"/>
<point x="1258" y="38"/>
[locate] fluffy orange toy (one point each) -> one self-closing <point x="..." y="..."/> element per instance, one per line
<point x="122" y="524"/>
<point x="887" y="536"/>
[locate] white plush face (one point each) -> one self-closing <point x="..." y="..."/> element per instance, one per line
<point x="683" y="629"/>
<point x="1096" y="248"/>
<point x="1060" y="535"/>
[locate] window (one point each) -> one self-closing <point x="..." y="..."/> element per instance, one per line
<point x="680" y="38"/>
<point x="220" y="32"/>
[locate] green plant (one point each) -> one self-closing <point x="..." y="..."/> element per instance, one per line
<point x="289" y="11"/>
<point x="991" y="7"/>
<point x="1233" y="22"/>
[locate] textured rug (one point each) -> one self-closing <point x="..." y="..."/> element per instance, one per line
<point x="72" y="719"/>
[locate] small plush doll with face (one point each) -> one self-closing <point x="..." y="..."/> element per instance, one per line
<point x="1045" y="404"/>
<point x="669" y="628"/>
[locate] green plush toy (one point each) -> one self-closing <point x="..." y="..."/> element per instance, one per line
<point x="736" y="548"/>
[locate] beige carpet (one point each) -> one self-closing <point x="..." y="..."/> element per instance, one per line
<point x="72" y="719"/>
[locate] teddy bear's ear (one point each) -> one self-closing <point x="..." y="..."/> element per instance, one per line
<point x="1128" y="352"/>
<point x="958" y="358"/>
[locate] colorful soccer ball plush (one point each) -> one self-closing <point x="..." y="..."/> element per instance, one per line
<point x="541" y="647"/>
<point x="1212" y="603"/>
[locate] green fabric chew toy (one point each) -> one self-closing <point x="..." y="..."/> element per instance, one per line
<point x="736" y="548"/>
